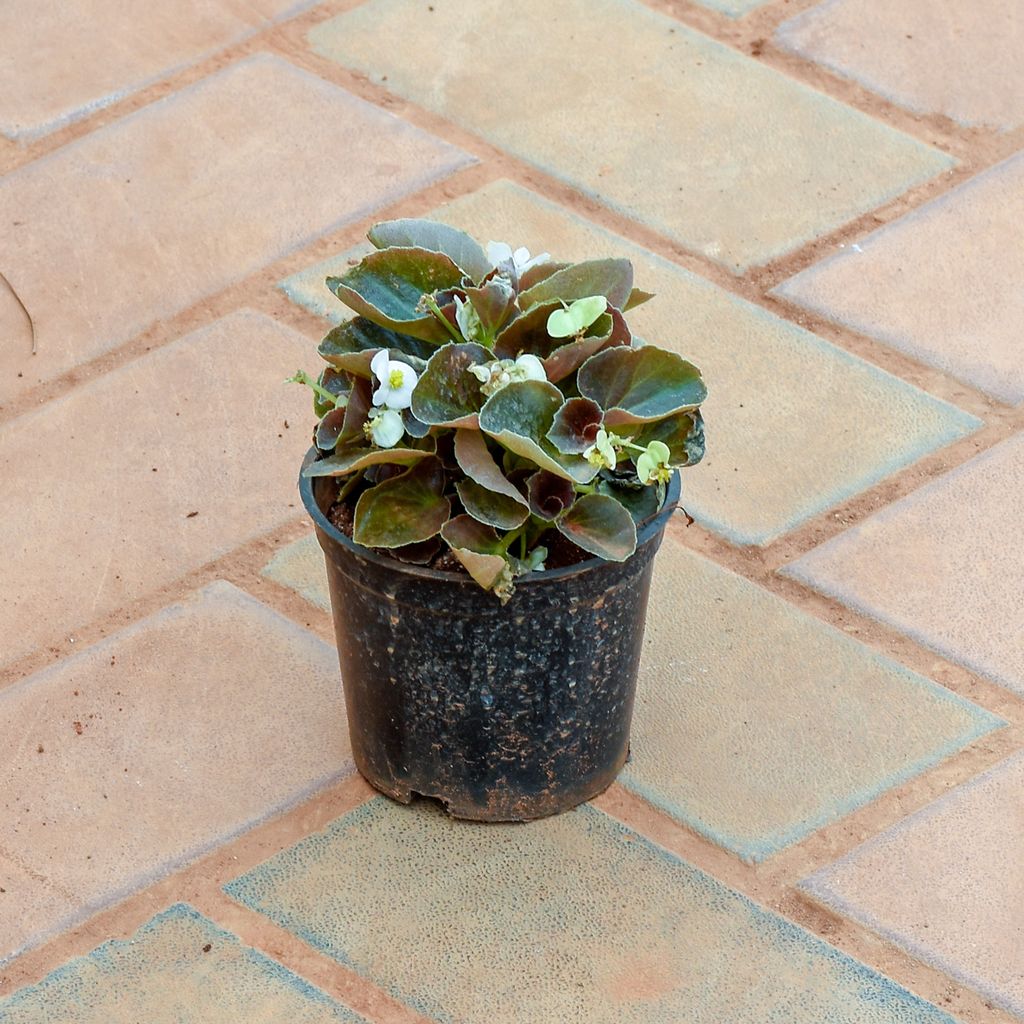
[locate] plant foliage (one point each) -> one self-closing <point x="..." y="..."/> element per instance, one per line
<point x="481" y="399"/>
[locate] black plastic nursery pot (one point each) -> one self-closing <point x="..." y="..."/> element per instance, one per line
<point x="502" y="712"/>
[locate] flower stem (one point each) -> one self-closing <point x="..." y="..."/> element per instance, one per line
<point x="301" y="377"/>
<point x="431" y="303"/>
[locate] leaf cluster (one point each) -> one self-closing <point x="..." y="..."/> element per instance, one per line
<point x="532" y="411"/>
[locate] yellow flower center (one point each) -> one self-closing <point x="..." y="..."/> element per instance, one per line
<point x="396" y="379"/>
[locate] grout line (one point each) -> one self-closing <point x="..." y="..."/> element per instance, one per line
<point x="337" y="980"/>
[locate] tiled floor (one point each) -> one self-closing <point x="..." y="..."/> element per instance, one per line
<point x="821" y="819"/>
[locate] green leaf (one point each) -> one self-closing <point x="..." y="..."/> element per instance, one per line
<point x="351" y="346"/>
<point x="637" y="297"/>
<point x="640" y="385"/>
<point x="387" y="285"/>
<point x="642" y="503"/>
<point x="334" y="382"/>
<point x="575" y="426"/>
<point x="356" y="412"/>
<point x="476" y="461"/>
<point x="608" y="330"/>
<point x="341" y="463"/>
<point x="609" y="277"/>
<point x="478" y="548"/>
<point x="576" y="317"/>
<point x="462" y="250"/>
<point x="403" y="510"/>
<point x="519" y="417"/>
<point x="447" y="394"/>
<point x="491" y="508"/>
<point x="599" y="524"/>
<point x="682" y="433"/>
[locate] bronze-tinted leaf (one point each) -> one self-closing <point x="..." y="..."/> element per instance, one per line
<point x="495" y="304"/>
<point x="610" y="329"/>
<point x="575" y="426"/>
<point x="386" y="287"/>
<point x="478" y="548"/>
<point x="489" y="507"/>
<point x="329" y="429"/>
<point x="356" y="412"/>
<point x="612" y="278"/>
<point x="549" y="495"/>
<point x="464" y="251"/>
<point x="341" y="463"/>
<point x="404" y="510"/>
<point x="640" y="385"/>
<point x="475" y="460"/>
<point x="637" y="297"/>
<point x="447" y="394"/>
<point x="528" y="333"/>
<point x="539" y="272"/>
<point x="599" y="524"/>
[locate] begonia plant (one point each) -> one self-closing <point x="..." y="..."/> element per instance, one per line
<point x="486" y="401"/>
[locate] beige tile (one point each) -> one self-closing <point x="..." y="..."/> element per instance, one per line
<point x="192" y="725"/>
<point x="942" y="284"/>
<point x="300" y="565"/>
<point x="947" y="884"/>
<point x="67" y="60"/>
<point x="945" y="565"/>
<point x="145" y="217"/>
<point x="725" y="155"/>
<point x="98" y="484"/>
<point x="946" y="57"/>
<point x="756" y="724"/>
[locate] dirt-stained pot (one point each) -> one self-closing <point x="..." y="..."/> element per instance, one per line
<point x="502" y="712"/>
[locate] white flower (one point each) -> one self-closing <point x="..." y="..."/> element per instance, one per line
<point x="653" y="464"/>
<point x="396" y="382"/>
<point x="384" y="427"/>
<point x="499" y="373"/>
<point x="528" y="367"/>
<point x="499" y="252"/>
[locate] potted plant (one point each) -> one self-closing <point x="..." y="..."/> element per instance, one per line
<point x="493" y="466"/>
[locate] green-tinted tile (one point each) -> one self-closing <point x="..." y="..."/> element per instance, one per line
<point x="574" y="918"/>
<point x="794" y="425"/>
<point x="177" y="969"/>
<point x="756" y="724"/>
<point x="308" y="287"/>
<point x="734" y="8"/>
<point x="727" y="156"/>
<point x="300" y="566"/>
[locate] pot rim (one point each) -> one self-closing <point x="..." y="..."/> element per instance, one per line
<point x="655" y="526"/>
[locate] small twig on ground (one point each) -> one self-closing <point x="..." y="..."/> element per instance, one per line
<point x="24" y="309"/>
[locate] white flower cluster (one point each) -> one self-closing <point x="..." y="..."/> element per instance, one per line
<point x="392" y="394"/>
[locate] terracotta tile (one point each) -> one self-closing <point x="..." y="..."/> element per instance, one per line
<point x="718" y="152"/>
<point x="573" y="918"/>
<point x="942" y="283"/>
<point x="159" y="743"/>
<point x="771" y="464"/>
<point x="42" y="87"/>
<point x="944" y="565"/>
<point x="145" y="217"/>
<point x="933" y="56"/>
<point x="755" y="723"/>
<point x="946" y="884"/>
<point x="99" y="484"/>
<point x="177" y="969"/>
